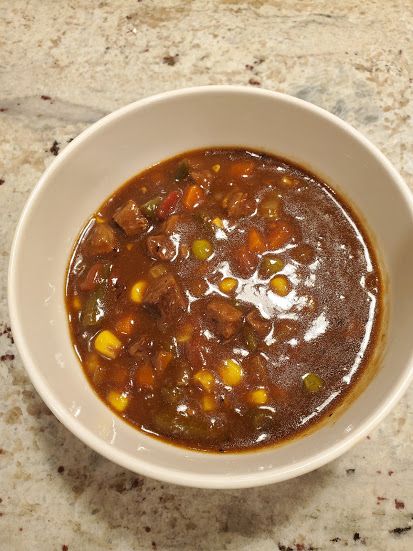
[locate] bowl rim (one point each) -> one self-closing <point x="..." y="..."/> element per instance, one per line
<point x="143" y="466"/>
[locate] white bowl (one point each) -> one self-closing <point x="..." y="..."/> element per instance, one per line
<point x="137" y="136"/>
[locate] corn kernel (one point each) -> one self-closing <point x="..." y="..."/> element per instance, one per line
<point x="216" y="168"/>
<point x="205" y="378"/>
<point x="218" y="222"/>
<point x="208" y="403"/>
<point x="258" y="397"/>
<point x="185" y="333"/>
<point x="280" y="285"/>
<point x="231" y="373"/>
<point x="129" y="246"/>
<point x="138" y="290"/>
<point x="228" y="284"/>
<point x="118" y="401"/>
<point x="108" y="344"/>
<point x="77" y="304"/>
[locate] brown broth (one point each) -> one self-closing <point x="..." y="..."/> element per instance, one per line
<point x="327" y="324"/>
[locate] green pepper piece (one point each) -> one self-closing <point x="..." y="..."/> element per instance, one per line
<point x="150" y="208"/>
<point x="312" y="382"/>
<point x="182" y="171"/>
<point x="94" y="310"/>
<point x="250" y="339"/>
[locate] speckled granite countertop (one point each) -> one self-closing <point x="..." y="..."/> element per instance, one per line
<point x="62" y="66"/>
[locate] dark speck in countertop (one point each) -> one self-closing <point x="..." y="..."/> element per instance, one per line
<point x="55" y="148"/>
<point x="170" y="60"/>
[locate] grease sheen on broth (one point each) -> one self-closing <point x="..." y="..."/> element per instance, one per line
<point x="224" y="300"/>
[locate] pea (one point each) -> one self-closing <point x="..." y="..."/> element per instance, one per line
<point x="312" y="382"/>
<point x="202" y="249"/>
<point x="270" y="265"/>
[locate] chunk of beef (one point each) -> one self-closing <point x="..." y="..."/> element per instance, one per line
<point x="225" y="318"/>
<point x="161" y="246"/>
<point x="166" y="298"/>
<point x="238" y="204"/>
<point x="260" y="325"/>
<point x="141" y="347"/>
<point x="257" y="369"/>
<point x="101" y="239"/>
<point x="130" y="219"/>
<point x="202" y="178"/>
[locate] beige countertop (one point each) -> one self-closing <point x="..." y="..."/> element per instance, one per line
<point x="63" y="65"/>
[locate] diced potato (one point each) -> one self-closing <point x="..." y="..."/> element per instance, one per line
<point x="228" y="284"/>
<point x="216" y="167"/>
<point x="92" y="363"/>
<point x="231" y="373"/>
<point x="205" y="378"/>
<point x="117" y="400"/>
<point x="138" y="290"/>
<point x="312" y="382"/>
<point x="202" y="249"/>
<point x="108" y="344"/>
<point x="217" y="221"/>
<point x="77" y="303"/>
<point x="185" y="333"/>
<point x="208" y="403"/>
<point x="258" y="397"/>
<point x="162" y="359"/>
<point x="125" y="325"/>
<point x="157" y="270"/>
<point x="280" y="285"/>
<point x="129" y="246"/>
<point x="289" y="182"/>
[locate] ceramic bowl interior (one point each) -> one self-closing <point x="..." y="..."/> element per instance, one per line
<point x="134" y="138"/>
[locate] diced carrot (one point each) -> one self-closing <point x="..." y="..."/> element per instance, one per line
<point x="280" y="232"/>
<point x="193" y="196"/>
<point x="241" y="169"/>
<point x="255" y="241"/>
<point x="145" y="376"/>
<point x="162" y="359"/>
<point x="125" y="325"/>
